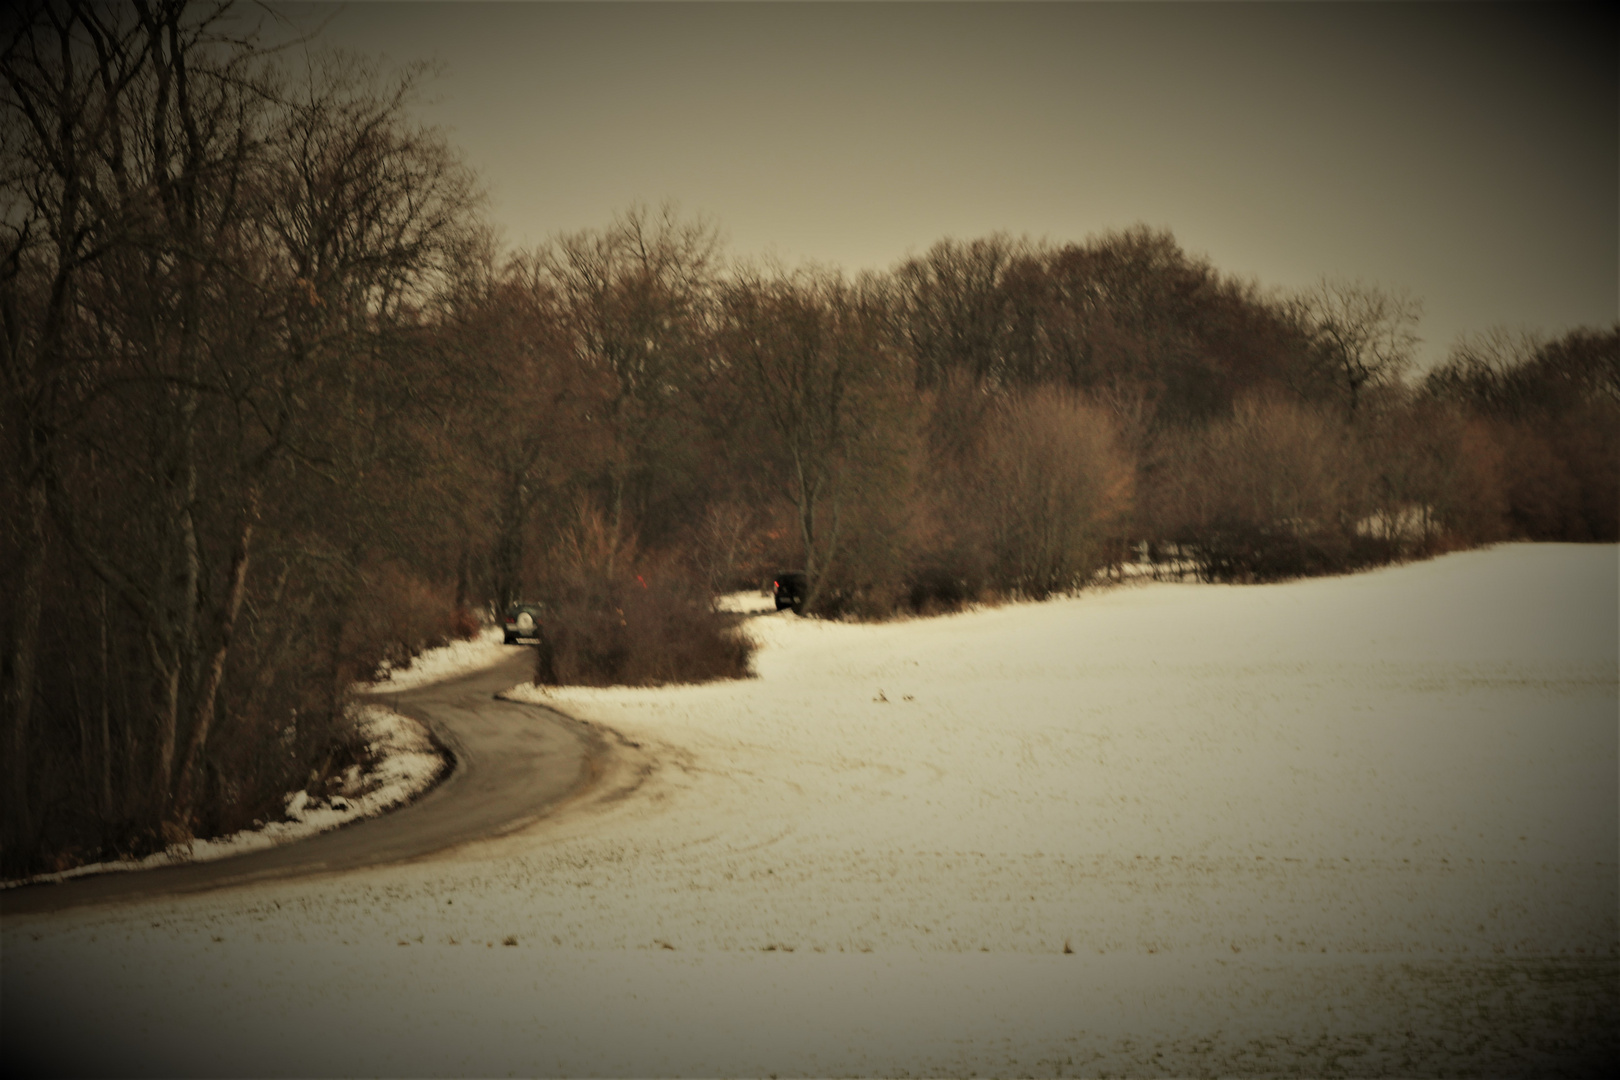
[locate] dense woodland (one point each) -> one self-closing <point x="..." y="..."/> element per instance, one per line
<point x="276" y="408"/>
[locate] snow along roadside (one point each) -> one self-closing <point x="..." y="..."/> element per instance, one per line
<point x="406" y="763"/>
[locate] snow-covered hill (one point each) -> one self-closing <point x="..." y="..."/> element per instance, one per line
<point x="1364" y="823"/>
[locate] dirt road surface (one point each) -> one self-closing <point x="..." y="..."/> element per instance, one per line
<point x="514" y="764"/>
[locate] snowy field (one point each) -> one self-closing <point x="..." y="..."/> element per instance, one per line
<point x="1358" y="825"/>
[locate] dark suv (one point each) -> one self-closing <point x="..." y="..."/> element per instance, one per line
<point x="523" y="620"/>
<point x="791" y="588"/>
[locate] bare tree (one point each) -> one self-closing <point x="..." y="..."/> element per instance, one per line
<point x="636" y="299"/>
<point x="721" y="542"/>
<point x="811" y="352"/>
<point x="1364" y="336"/>
<point x="954" y="308"/>
<point x="136" y="127"/>
<point x="207" y="281"/>
<point x="1127" y="312"/>
<point x="1521" y="375"/>
<point x="521" y="432"/>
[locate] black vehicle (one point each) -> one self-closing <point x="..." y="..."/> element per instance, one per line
<point x="523" y="620"/>
<point x="791" y="588"/>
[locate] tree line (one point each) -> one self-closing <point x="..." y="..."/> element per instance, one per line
<point x="279" y="411"/>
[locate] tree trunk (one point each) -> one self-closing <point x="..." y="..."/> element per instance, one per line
<point x="24" y="652"/>
<point x="168" y="717"/>
<point x="106" y="714"/>
<point x="179" y="662"/>
<point x="463" y="576"/>
<point x="509" y="543"/>
<point x="214" y="670"/>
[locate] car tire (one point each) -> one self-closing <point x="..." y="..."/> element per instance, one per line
<point x="511" y="638"/>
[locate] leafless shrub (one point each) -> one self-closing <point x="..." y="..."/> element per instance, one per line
<point x="1549" y="411"/>
<point x="1051" y="489"/>
<point x="1543" y="497"/>
<point x="616" y="617"/>
<point x="402" y="615"/>
<point x="642" y="631"/>
<point x="1439" y="478"/>
<point x="1275" y="491"/>
<point x="1588" y="442"/>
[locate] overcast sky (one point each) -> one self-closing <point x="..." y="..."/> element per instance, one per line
<point x="1468" y="153"/>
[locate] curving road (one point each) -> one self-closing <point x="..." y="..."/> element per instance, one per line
<point x="514" y="764"/>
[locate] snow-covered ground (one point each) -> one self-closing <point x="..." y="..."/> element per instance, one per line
<point x="1363" y="824"/>
<point x="446" y="662"/>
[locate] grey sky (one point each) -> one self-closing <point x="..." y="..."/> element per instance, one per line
<point x="1469" y="153"/>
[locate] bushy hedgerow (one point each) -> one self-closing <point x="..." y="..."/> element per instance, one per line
<point x="403" y="616"/>
<point x="638" y="632"/>
<point x="1546" y="415"/>
<point x="616" y="618"/>
<point x="1274" y="491"/>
